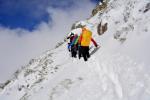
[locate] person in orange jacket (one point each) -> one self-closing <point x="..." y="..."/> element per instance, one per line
<point x="84" y="42"/>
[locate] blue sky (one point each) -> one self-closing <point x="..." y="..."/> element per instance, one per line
<point x="28" y="14"/>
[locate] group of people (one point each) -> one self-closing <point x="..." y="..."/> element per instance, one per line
<point x="79" y="44"/>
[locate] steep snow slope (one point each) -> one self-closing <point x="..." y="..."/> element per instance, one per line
<point x="119" y="70"/>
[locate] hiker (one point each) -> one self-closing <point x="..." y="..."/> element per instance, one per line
<point x="84" y="42"/>
<point x="73" y="45"/>
<point x="71" y="38"/>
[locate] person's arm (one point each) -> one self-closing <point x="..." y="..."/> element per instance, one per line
<point x="94" y="42"/>
<point x="68" y="37"/>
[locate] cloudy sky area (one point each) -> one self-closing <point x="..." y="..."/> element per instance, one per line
<point x="30" y="27"/>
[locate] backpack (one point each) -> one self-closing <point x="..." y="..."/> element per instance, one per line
<point x="74" y="41"/>
<point x="86" y="38"/>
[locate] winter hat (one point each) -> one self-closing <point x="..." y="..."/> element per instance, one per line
<point x="72" y="33"/>
<point x="89" y="26"/>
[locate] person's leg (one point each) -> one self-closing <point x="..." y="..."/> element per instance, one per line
<point x="84" y="53"/>
<point x="72" y="51"/>
<point x="79" y="52"/>
<point x="69" y="49"/>
<point x="87" y="52"/>
<point x="75" y="51"/>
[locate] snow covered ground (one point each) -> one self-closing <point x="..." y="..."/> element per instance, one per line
<point x="119" y="70"/>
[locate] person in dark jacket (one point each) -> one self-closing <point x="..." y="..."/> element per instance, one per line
<point x="73" y="45"/>
<point x="70" y="37"/>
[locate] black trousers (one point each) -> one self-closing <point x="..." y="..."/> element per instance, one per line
<point x="85" y="52"/>
<point x="74" y="51"/>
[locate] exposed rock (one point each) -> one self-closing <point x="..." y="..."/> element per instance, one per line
<point x="99" y="8"/>
<point x="59" y="44"/>
<point x="122" y="33"/>
<point x="3" y="85"/>
<point x="147" y="8"/>
<point x="101" y="28"/>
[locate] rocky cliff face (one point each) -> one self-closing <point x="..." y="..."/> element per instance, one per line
<point x="100" y="7"/>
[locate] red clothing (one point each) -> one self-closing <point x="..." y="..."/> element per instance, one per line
<point x="94" y="42"/>
<point x="71" y="38"/>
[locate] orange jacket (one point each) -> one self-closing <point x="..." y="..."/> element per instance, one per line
<point x="86" y="38"/>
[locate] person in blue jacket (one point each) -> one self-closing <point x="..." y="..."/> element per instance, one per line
<point x="73" y="45"/>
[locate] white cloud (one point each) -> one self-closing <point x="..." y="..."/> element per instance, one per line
<point x="16" y="50"/>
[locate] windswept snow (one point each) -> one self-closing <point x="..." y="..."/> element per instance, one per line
<point x="119" y="70"/>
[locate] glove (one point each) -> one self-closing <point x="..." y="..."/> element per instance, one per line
<point x="97" y="46"/>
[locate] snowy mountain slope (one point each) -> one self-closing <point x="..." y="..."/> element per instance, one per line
<point x="119" y="70"/>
